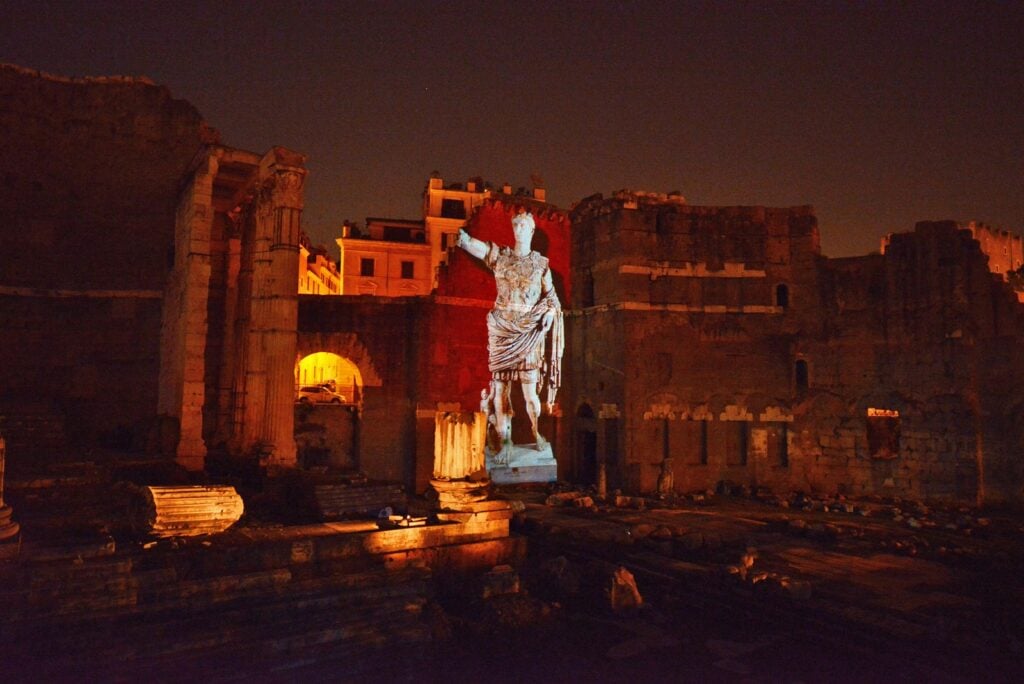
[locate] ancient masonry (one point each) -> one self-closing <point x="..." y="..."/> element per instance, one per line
<point x="704" y="344"/>
<point x="720" y="340"/>
<point x="170" y="321"/>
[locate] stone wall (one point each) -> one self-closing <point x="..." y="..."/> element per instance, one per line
<point x="382" y="336"/>
<point x="720" y="338"/>
<point x="91" y="172"/>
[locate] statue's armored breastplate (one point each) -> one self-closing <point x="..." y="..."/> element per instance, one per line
<point x="518" y="280"/>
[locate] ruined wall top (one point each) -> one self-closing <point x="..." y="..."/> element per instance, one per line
<point x="93" y="167"/>
<point x="598" y="205"/>
<point x="630" y="226"/>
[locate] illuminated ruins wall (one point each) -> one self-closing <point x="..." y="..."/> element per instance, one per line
<point x="929" y="331"/>
<point x="383" y="337"/>
<point x="145" y="271"/>
<point x="686" y="347"/>
<point x="91" y="172"/>
<point x="418" y="353"/>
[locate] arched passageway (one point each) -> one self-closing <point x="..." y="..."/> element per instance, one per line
<point x="327" y="368"/>
<point x="329" y="397"/>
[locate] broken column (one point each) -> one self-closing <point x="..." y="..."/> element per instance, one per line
<point x="459" y="473"/>
<point x="8" y="528"/>
<point x="185" y="511"/>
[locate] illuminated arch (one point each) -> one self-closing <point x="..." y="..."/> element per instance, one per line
<point x="324" y="367"/>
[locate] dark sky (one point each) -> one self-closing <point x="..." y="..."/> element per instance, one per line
<point x="877" y="113"/>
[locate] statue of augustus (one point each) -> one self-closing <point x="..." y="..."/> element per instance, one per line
<point x="525" y="311"/>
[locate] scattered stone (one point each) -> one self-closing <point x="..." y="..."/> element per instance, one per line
<point x="584" y="502"/>
<point x="662" y="533"/>
<point x="641" y="530"/>
<point x="561" y="499"/>
<point x="500" y="581"/>
<point x="634" y="502"/>
<point x="623" y="595"/>
<point x="797" y="589"/>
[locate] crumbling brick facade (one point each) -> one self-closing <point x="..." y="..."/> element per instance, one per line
<point x="718" y="343"/>
<point x="142" y="273"/>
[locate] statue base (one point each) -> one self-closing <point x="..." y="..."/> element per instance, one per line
<point x="526" y="463"/>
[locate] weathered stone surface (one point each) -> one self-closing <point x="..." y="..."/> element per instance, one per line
<point x="739" y="354"/>
<point x="186" y="511"/>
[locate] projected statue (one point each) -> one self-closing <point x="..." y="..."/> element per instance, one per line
<point x="525" y="311"/>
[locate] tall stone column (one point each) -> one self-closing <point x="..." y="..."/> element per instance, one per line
<point x="268" y="415"/>
<point x="182" y="387"/>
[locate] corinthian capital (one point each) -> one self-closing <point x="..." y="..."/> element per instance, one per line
<point x="286" y="186"/>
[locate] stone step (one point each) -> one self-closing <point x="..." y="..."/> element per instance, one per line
<point x="387" y="608"/>
<point x="335" y="501"/>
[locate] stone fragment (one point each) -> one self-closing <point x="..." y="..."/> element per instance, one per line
<point x="562" y="498"/>
<point x="623" y="595"/>
<point x="501" y="580"/>
<point x="641" y="530"/>
<point x="662" y="533"/>
<point x="797" y="589"/>
<point x="634" y="502"/>
<point x="584" y="502"/>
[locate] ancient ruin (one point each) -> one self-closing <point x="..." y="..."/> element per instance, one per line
<point x="231" y="456"/>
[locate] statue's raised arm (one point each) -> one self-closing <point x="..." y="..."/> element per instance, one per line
<point x="475" y="247"/>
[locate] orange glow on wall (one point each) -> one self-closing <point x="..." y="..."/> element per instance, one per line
<point x="883" y="413"/>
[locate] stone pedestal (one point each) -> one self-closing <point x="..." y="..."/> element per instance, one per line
<point x="8" y="528"/>
<point x="525" y="463"/>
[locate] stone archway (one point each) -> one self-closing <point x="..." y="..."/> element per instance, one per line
<point x="328" y="368"/>
<point x="346" y="345"/>
<point x="329" y="435"/>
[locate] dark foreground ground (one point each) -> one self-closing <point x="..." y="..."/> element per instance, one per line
<point x="735" y="588"/>
<point x="835" y="591"/>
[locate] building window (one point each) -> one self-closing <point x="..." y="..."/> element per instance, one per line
<point x="407" y="269"/>
<point x="800" y="374"/>
<point x="453" y="208"/>
<point x="703" y="442"/>
<point x="782" y="445"/>
<point x="444" y="242"/>
<point x="743" y="440"/>
<point x="883" y="433"/>
<point x="366" y="267"/>
<point x="781" y="296"/>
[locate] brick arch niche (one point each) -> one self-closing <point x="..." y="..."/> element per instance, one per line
<point x="345" y="345"/>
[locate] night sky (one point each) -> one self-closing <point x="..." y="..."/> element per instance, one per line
<point x="879" y="114"/>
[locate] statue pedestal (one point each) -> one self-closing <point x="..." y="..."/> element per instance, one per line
<point x="525" y="464"/>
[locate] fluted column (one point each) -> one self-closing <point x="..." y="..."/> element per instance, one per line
<point x="268" y="416"/>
